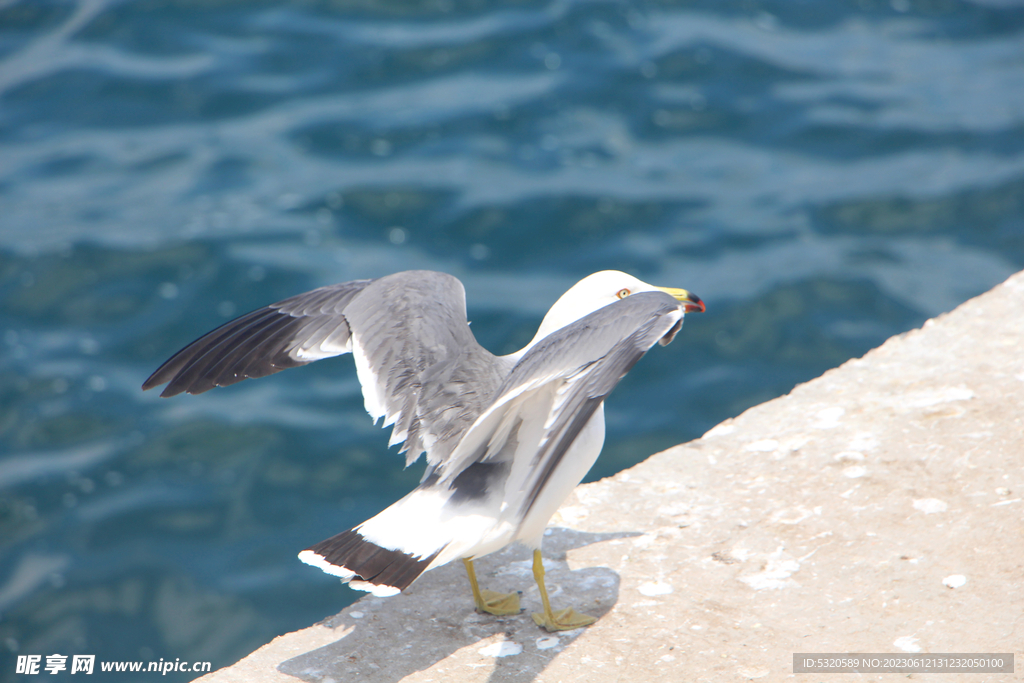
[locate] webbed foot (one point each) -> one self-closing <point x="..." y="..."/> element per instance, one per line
<point x="562" y="620"/>
<point x="498" y="604"/>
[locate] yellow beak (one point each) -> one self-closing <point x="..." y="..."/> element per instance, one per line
<point x="691" y="302"/>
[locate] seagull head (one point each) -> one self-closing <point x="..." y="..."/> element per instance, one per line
<point x="600" y="289"/>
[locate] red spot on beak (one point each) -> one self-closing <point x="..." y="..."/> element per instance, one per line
<point x="693" y="304"/>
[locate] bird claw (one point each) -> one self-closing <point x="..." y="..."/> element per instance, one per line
<point x="563" y="620"/>
<point x="498" y="604"/>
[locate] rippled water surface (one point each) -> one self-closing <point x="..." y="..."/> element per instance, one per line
<point x="823" y="174"/>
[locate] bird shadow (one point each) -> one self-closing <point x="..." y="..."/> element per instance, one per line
<point x="432" y="625"/>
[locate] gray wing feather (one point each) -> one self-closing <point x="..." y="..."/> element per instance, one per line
<point x="430" y="376"/>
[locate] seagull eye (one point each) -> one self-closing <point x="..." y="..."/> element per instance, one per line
<point x="623" y="293"/>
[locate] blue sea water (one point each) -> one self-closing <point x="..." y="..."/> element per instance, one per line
<point x="823" y="174"/>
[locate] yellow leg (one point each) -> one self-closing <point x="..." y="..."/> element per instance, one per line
<point x="562" y="620"/>
<point x="491" y="602"/>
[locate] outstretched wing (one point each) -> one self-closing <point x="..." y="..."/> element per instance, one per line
<point x="557" y="386"/>
<point x="420" y="367"/>
<point x="290" y="333"/>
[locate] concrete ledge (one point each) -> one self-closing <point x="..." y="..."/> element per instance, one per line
<point x="877" y="508"/>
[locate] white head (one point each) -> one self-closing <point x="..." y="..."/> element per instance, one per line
<point x="597" y="291"/>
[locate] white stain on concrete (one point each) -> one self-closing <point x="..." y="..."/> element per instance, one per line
<point x="907" y="644"/>
<point x="645" y="540"/>
<point x="778" y="449"/>
<point x="674" y="510"/>
<point x="547" y="642"/>
<point x="954" y="581"/>
<point x="795" y="443"/>
<point x="864" y="441"/>
<point x="653" y="588"/>
<point x="505" y="648"/>
<point x="924" y="399"/>
<point x="776" y="573"/>
<point x="855" y="471"/>
<point x="849" y="456"/>
<point x="793" y="515"/>
<point x="828" y="418"/>
<point x="930" y="506"/>
<point x="753" y="673"/>
<point x="762" y="446"/>
<point x="740" y="553"/>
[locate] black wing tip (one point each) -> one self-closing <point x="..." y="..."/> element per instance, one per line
<point x="173" y="389"/>
<point x="205" y="382"/>
<point x="353" y="558"/>
<point x="155" y="380"/>
<point x="253" y="345"/>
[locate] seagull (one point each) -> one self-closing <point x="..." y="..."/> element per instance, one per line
<point x="506" y="438"/>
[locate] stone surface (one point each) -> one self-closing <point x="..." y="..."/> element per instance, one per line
<point x="878" y="508"/>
